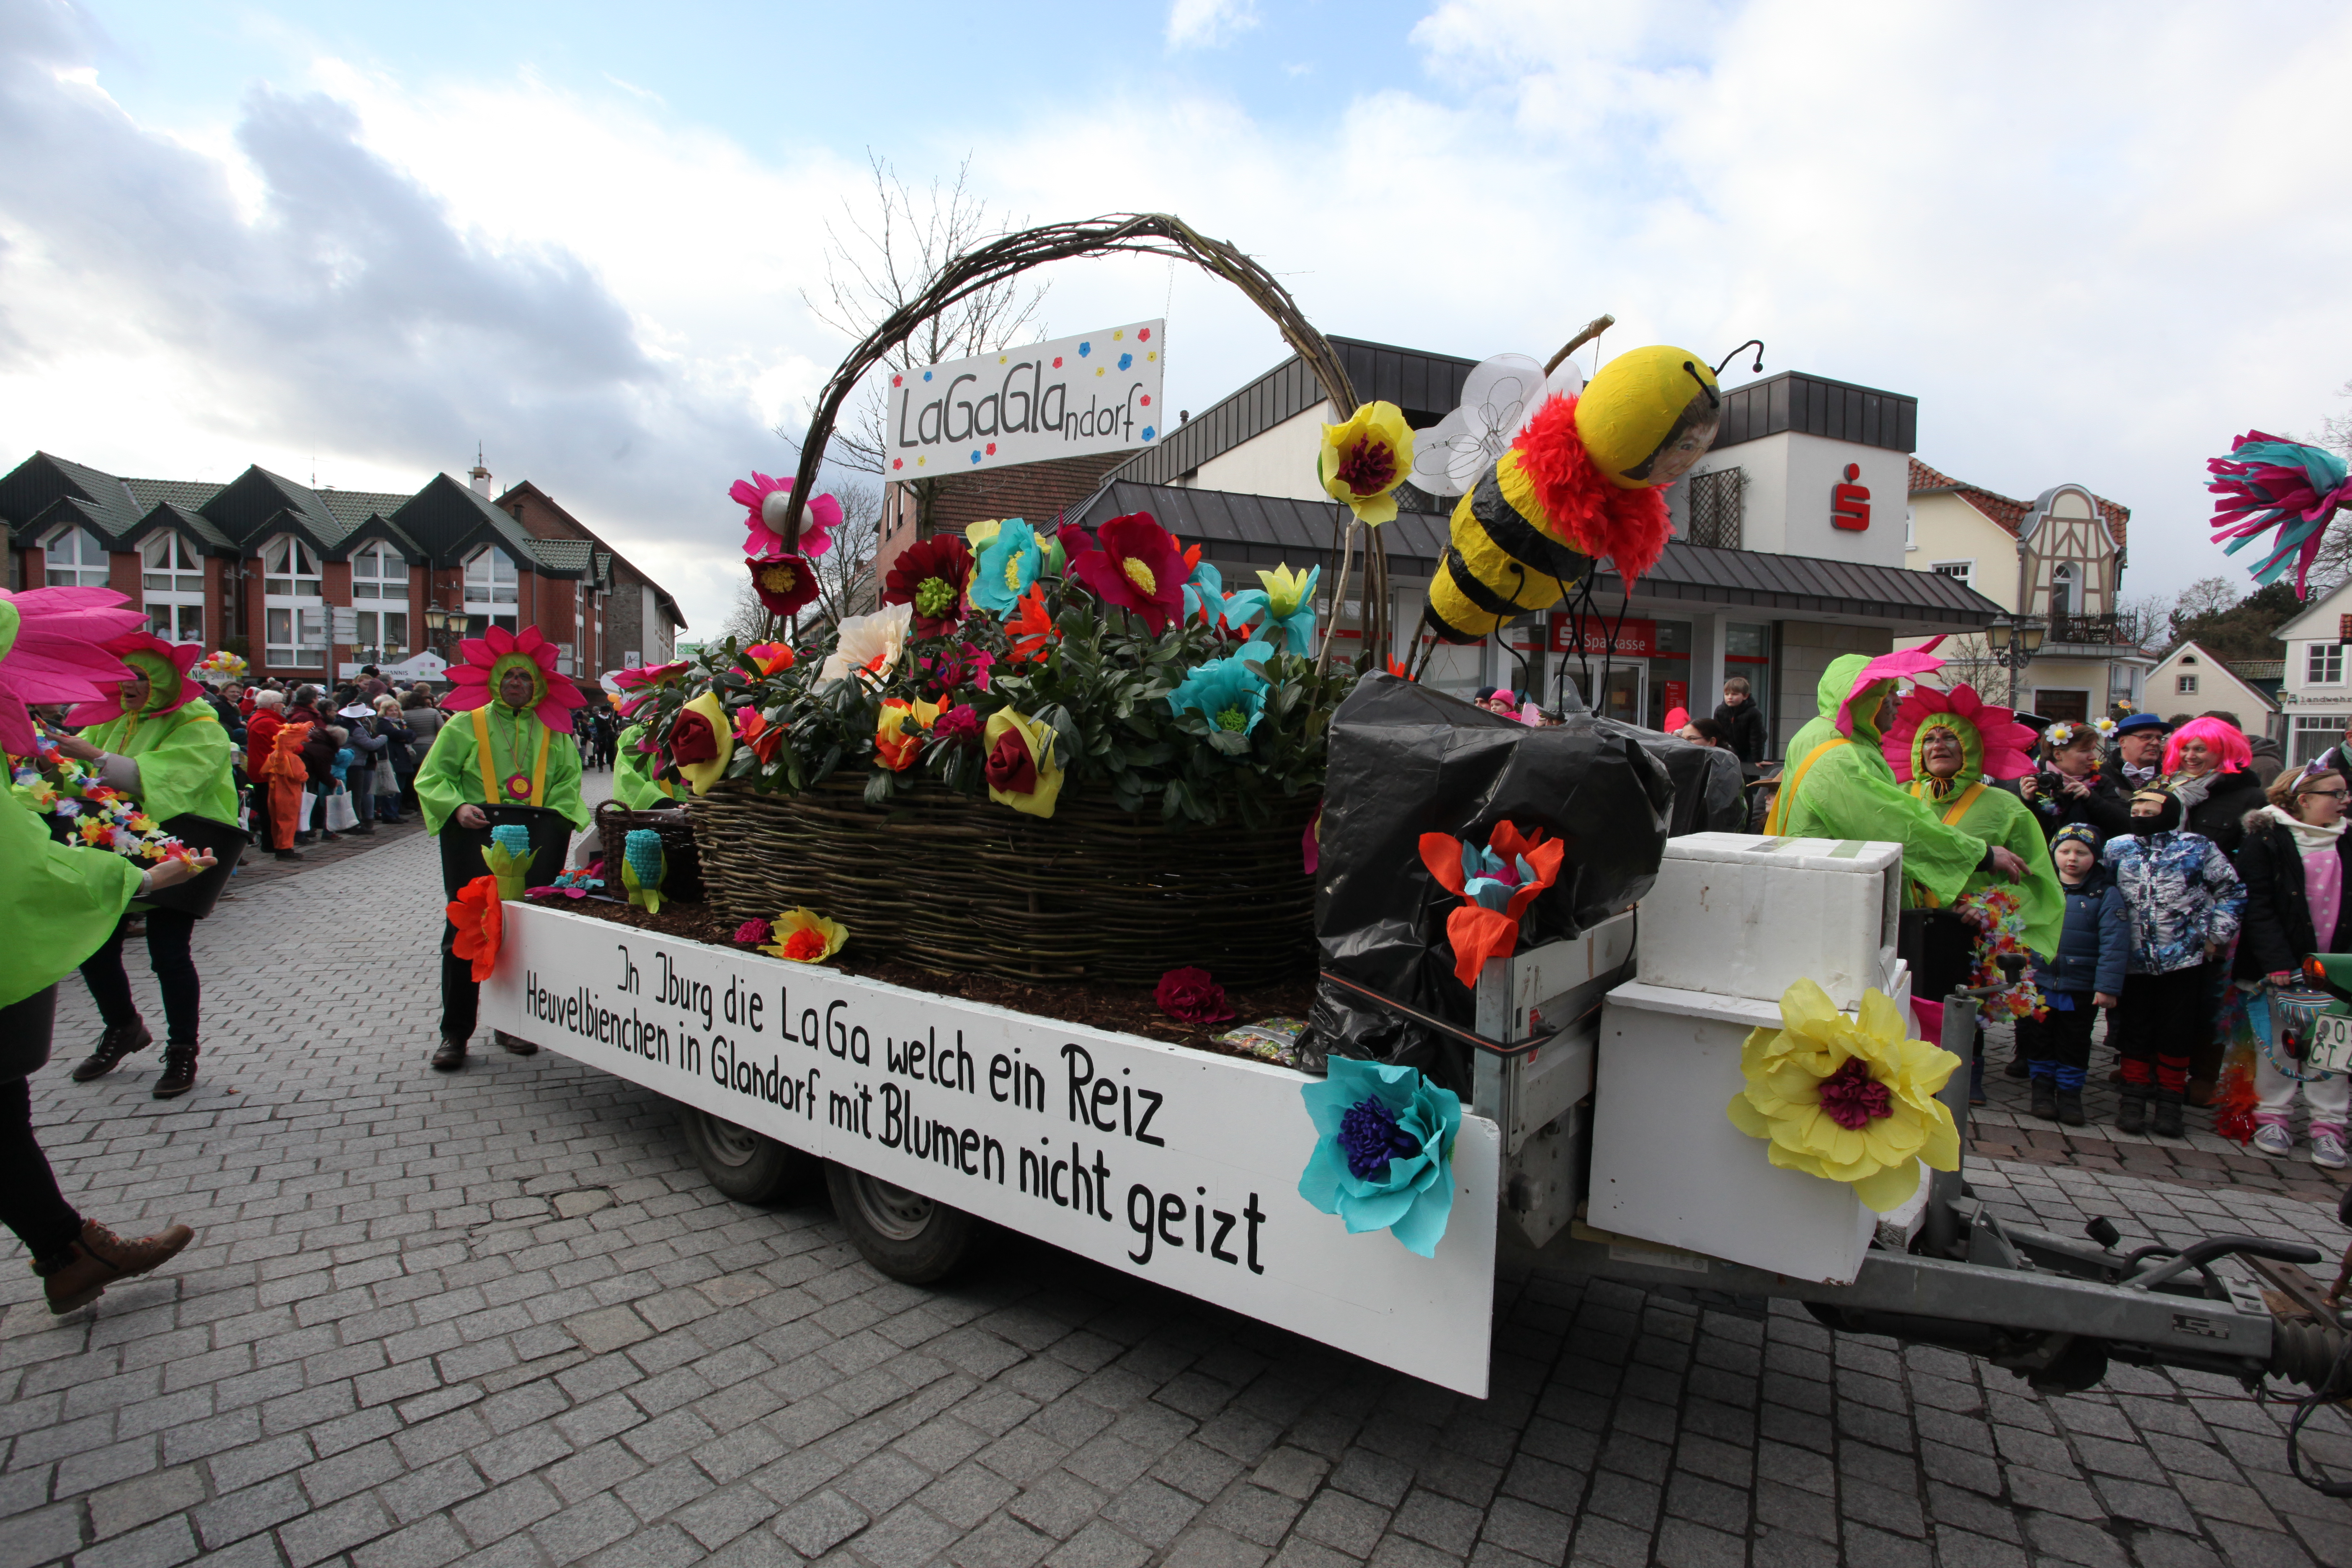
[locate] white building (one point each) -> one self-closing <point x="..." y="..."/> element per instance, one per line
<point x="2189" y="680"/>
<point x="2313" y="695"/>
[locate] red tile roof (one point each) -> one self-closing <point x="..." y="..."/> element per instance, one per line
<point x="2007" y="510"/>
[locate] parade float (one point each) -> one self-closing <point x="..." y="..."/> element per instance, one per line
<point x="1075" y="892"/>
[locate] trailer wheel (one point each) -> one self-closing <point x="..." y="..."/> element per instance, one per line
<point x="907" y="1235"/>
<point x="747" y="1166"/>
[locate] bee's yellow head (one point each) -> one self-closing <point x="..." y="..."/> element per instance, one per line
<point x="1649" y="415"/>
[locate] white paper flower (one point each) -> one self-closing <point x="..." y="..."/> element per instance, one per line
<point x="1497" y="397"/>
<point x="871" y="644"/>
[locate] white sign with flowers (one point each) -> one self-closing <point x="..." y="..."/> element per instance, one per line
<point x="1096" y="392"/>
<point x="1168" y="1163"/>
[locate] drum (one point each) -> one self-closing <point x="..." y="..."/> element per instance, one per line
<point x="2293" y="1010"/>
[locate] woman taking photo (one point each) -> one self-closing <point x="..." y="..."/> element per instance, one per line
<point x="2293" y="863"/>
<point x="2069" y="786"/>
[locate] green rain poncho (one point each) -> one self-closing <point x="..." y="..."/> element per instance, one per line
<point x="1993" y="745"/>
<point x="451" y="774"/>
<point x="1837" y="785"/>
<point x="62" y="902"/>
<point x="184" y="754"/>
<point x="631" y="785"/>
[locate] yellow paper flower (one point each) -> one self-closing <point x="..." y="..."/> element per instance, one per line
<point x="703" y="771"/>
<point x="893" y="747"/>
<point x="1848" y="1100"/>
<point x="979" y="535"/>
<point x="1364" y="461"/>
<point x="1287" y="588"/>
<point x="1021" y="769"/>
<point x="806" y="937"/>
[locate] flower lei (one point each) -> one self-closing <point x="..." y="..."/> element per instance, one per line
<point x="92" y="812"/>
<point x="2000" y="923"/>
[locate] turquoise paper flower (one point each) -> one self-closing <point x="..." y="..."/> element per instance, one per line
<point x="1383" y="1159"/>
<point x="1205" y="594"/>
<point x="1226" y="691"/>
<point x="1003" y="569"/>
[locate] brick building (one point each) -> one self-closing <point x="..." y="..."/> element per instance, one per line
<point x="259" y="565"/>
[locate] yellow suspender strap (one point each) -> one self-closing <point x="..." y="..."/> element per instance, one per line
<point x="539" y="768"/>
<point x="1952" y="814"/>
<point x="493" y="792"/>
<point x="1789" y="786"/>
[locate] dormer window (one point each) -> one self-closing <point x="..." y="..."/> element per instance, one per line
<point x="379" y="572"/>
<point x="73" y="558"/>
<point x="293" y="604"/>
<point x="172" y="585"/>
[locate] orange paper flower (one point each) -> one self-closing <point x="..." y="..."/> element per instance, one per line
<point x="900" y="731"/>
<point x="752" y="730"/>
<point x="770" y="657"/>
<point x="1496" y="884"/>
<point x="1032" y="630"/>
<point x="481" y="922"/>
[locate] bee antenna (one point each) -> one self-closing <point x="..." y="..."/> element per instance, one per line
<point x="1756" y="343"/>
<point x="1692" y="371"/>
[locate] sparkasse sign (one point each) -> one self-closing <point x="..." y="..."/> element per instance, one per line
<point x="1097" y="392"/>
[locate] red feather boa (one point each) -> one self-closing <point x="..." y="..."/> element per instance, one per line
<point x="1629" y="526"/>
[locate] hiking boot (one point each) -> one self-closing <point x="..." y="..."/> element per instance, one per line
<point x="450" y="1057"/>
<point x="520" y="1047"/>
<point x="2165" y="1121"/>
<point x="99" y="1257"/>
<point x="2018" y="1066"/>
<point x="2045" y="1098"/>
<point x="179" y="1071"/>
<point x="118" y="1042"/>
<point x="2070" y="1106"/>
<point x="2131" y="1109"/>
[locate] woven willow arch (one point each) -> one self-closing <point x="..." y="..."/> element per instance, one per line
<point x="1143" y="234"/>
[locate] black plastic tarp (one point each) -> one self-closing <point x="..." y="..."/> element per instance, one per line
<point x="1405" y="761"/>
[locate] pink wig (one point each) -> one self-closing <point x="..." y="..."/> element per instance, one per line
<point x="2224" y="741"/>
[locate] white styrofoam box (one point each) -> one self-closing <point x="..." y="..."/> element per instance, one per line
<point x="1560" y="983"/>
<point x="1667" y="1164"/>
<point x="1737" y="915"/>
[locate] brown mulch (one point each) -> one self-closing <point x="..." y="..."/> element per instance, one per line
<point x="1123" y="1010"/>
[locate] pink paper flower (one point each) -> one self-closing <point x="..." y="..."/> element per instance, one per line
<point x="755" y="932"/>
<point x="488" y="657"/>
<point x="166" y="665"/>
<point x="764" y="500"/>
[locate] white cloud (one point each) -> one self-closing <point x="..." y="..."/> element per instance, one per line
<point x="1205" y="24"/>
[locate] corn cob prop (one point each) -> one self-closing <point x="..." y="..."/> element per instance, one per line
<point x="643" y="867"/>
<point x="1581" y="481"/>
<point x="509" y="858"/>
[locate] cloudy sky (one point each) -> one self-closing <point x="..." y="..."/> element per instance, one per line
<point x="354" y="239"/>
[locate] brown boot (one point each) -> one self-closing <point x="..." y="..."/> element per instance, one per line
<point x="179" y="1071"/>
<point x="450" y="1057"/>
<point x="516" y="1044"/>
<point x="101" y="1257"/>
<point x="113" y="1047"/>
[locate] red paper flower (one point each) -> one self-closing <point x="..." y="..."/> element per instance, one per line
<point x="770" y="657"/>
<point x="691" y="739"/>
<point x="1032" y="631"/>
<point x="754" y="729"/>
<point x="480" y="920"/>
<point x="645" y="683"/>
<point x="754" y="932"/>
<point x="1011" y="767"/>
<point x="930" y="574"/>
<point x="959" y="725"/>
<point x="1193" y="996"/>
<point x="1475" y="932"/>
<point x="785" y="583"/>
<point x="1137" y="567"/>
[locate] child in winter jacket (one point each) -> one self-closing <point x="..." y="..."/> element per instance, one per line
<point x="2084" y="974"/>
<point x="2183" y="897"/>
<point x="2292" y="861"/>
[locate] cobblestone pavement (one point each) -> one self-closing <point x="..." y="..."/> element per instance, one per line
<point x="500" y="1319"/>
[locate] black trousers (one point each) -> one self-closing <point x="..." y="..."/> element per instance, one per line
<point x="169" y="934"/>
<point x="30" y="1203"/>
<point x="2159" y="1025"/>
<point x="461" y="996"/>
<point x="2061" y="1037"/>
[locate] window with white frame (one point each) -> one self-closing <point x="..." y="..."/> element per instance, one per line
<point x="491" y="596"/>
<point x="293" y="604"/>
<point x="2325" y="664"/>
<point x="2064" y="600"/>
<point x="73" y="558"/>
<point x="172" y="585"/>
<point x="1966" y="570"/>
<point x="379" y="572"/>
<point x="2184" y="685"/>
<point x="2314" y="733"/>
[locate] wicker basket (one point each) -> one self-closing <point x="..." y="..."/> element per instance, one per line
<point x="969" y="886"/>
<point x="681" y="856"/>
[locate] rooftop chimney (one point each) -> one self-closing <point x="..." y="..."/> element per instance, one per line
<point x="481" y="477"/>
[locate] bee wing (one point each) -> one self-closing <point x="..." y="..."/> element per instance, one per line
<point x="1434" y="454"/>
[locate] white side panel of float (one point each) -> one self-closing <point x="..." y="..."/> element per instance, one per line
<point x="1166" y="1164"/>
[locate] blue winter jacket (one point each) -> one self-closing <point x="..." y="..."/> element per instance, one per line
<point x="2096" y="943"/>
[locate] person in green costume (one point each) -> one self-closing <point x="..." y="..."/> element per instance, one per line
<point x="62" y="902"/>
<point x="508" y="741"/>
<point x="1950" y="749"/>
<point x="156" y="740"/>
<point x="633" y="786"/>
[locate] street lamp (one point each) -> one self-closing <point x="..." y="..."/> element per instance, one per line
<point x="2013" y="644"/>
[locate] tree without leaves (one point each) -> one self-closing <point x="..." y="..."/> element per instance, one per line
<point x="2236" y="628"/>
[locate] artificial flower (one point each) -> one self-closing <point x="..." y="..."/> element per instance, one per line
<point x="930" y="574"/>
<point x="1205" y="596"/>
<point x="753" y="729"/>
<point x="969" y="666"/>
<point x="1383" y="1157"/>
<point x="770" y="657"/>
<point x="870" y="644"/>
<point x="1021" y="769"/>
<point x="645" y="683"/>
<point x="806" y="937"/>
<point x="480" y="920"/>
<point x="1226" y="692"/>
<point x="1993" y="745"/>
<point x="1497" y="881"/>
<point x="1847" y="1099"/>
<point x="1003" y="564"/>
<point x="765" y="501"/>
<point x="576" y="883"/>
<point x="165" y="666"/>
<point x="754" y="932"/>
<point x="1033" y="630"/>
<point x="978" y="534"/>
<point x="1191" y="995"/>
<point x="956" y="726"/>
<point x="509" y="856"/>
<point x="1287" y="602"/>
<point x="894" y="746"/>
<point x="701" y="741"/>
<point x="1998" y="916"/>
<point x="51" y="651"/>
<point x="643" y="867"/>
<point x="785" y="585"/>
<point x="1362" y="461"/>
<point x="1311" y="843"/>
<point x="1134" y="564"/>
<point x="486" y="659"/>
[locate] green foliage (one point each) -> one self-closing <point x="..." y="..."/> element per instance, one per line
<point x="2245" y="629"/>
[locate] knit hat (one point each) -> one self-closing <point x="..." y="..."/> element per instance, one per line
<point x="2081" y="832"/>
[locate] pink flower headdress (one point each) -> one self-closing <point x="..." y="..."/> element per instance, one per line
<point x="164" y="664"/>
<point x="52" y="650"/>
<point x="1885" y="668"/>
<point x="765" y="501"/>
<point x="1993" y="745"/>
<point x="488" y="657"/>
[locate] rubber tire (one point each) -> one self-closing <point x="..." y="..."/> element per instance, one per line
<point x="913" y="1239"/>
<point x="747" y="1167"/>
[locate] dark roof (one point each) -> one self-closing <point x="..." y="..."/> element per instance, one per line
<point x="1262" y="531"/>
<point x="2007" y="510"/>
<point x="564" y="555"/>
<point x="29" y="490"/>
<point x="187" y="494"/>
<point x="448" y="516"/>
<point x="171" y="514"/>
<point x="599" y="564"/>
<point x="353" y="507"/>
<point x="1816" y="406"/>
<point x="1425" y="386"/>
